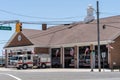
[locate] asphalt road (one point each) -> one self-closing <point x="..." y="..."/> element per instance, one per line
<point x="54" y="75"/>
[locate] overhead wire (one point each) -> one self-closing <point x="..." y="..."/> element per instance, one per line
<point x="110" y="13"/>
<point x="44" y="34"/>
<point x="48" y="22"/>
<point x="12" y="13"/>
<point x="4" y="42"/>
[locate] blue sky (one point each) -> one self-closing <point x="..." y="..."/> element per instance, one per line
<point x="49" y="10"/>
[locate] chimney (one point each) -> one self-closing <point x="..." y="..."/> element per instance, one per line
<point x="44" y="26"/>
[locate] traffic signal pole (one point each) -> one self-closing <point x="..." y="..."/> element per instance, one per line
<point x="98" y="38"/>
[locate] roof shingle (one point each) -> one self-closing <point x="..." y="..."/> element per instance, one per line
<point x="75" y="33"/>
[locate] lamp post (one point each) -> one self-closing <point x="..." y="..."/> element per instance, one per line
<point x="98" y="38"/>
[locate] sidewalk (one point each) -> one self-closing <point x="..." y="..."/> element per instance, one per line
<point x="65" y="70"/>
<point x="55" y="70"/>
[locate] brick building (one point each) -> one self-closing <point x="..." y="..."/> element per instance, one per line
<point x="70" y="44"/>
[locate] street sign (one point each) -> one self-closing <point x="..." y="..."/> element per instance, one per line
<point x="5" y="28"/>
<point x="103" y="54"/>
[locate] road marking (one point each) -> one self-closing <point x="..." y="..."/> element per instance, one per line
<point x="11" y="76"/>
<point x="14" y="77"/>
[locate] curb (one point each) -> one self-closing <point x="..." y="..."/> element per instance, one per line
<point x="55" y="70"/>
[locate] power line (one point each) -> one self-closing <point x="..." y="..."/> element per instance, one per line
<point x="36" y="22"/>
<point x="4" y="42"/>
<point x="44" y="34"/>
<point x="108" y="13"/>
<point x="12" y="13"/>
<point x="49" y="22"/>
<point x="104" y="22"/>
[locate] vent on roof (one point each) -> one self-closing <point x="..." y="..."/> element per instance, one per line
<point x="44" y="26"/>
<point x="89" y="17"/>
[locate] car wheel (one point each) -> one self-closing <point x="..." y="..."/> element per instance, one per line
<point x="43" y="65"/>
<point x="25" y="66"/>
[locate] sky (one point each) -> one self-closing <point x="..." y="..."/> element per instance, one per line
<point x="52" y="12"/>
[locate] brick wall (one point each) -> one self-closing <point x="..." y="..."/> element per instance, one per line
<point x="115" y="52"/>
<point x="42" y="50"/>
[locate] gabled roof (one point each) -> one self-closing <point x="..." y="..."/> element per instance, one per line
<point x="78" y="32"/>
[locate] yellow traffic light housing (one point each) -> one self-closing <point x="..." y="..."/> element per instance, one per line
<point x="18" y="27"/>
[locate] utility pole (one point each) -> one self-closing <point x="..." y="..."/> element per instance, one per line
<point x="98" y="37"/>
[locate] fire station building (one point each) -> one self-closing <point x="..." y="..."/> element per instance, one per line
<point x="69" y="45"/>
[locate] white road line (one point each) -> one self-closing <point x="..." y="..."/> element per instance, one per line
<point x="14" y="77"/>
<point x="11" y="76"/>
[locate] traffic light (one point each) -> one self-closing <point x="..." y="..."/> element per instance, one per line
<point x="18" y="27"/>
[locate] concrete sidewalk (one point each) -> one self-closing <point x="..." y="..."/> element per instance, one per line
<point x="55" y="70"/>
<point x="65" y="70"/>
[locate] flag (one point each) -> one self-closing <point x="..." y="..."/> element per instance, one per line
<point x="33" y="52"/>
<point x="109" y="46"/>
<point x="71" y="51"/>
<point x="3" y="52"/>
<point x="57" y="51"/>
<point x="86" y="50"/>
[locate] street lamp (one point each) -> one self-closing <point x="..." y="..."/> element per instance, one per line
<point x="98" y="38"/>
<point x="104" y="26"/>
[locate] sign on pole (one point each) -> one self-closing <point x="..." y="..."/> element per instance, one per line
<point x="103" y="54"/>
<point x="5" y="28"/>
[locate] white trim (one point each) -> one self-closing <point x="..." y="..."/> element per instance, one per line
<point x="28" y="48"/>
<point x="82" y="44"/>
<point x="77" y="57"/>
<point x="18" y="49"/>
<point x="63" y="55"/>
<point x="41" y="46"/>
<point x="115" y="36"/>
